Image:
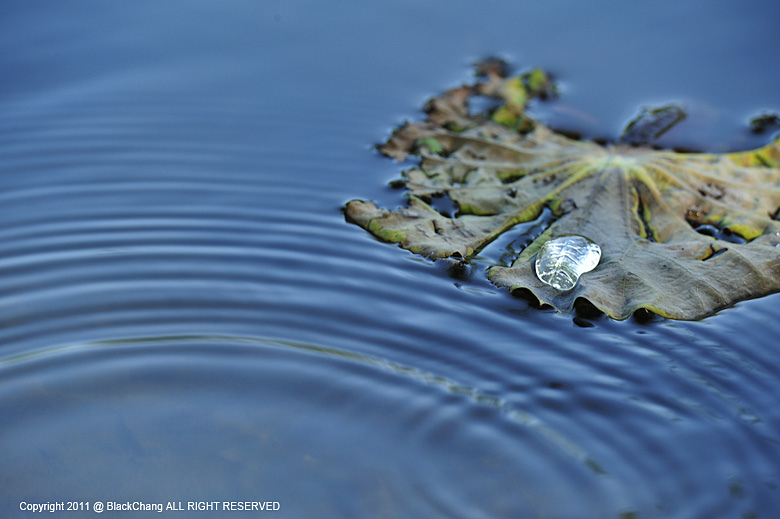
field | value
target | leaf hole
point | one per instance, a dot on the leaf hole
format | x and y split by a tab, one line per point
510	176
718	233
507	247
443	204
565	207
775	215
712	252
479	105
642	217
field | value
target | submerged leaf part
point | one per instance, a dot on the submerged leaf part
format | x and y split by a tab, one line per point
681	234
562	261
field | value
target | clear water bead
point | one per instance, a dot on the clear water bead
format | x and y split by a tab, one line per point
562	261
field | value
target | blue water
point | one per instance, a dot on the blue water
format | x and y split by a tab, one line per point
186	316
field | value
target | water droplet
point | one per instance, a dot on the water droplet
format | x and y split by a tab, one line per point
562	261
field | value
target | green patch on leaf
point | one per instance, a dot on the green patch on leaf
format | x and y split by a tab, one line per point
680	234
431	144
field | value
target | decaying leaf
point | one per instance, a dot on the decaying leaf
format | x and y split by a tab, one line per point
681	234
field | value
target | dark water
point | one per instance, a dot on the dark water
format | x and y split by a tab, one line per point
185	315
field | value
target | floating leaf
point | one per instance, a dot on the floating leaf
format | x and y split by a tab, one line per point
681	234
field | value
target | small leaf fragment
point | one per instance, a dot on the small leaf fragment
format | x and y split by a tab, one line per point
651	123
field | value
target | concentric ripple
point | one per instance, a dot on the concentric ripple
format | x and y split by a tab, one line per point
151	311
128	411
184	314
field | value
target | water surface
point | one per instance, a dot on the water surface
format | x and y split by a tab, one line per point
185	315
